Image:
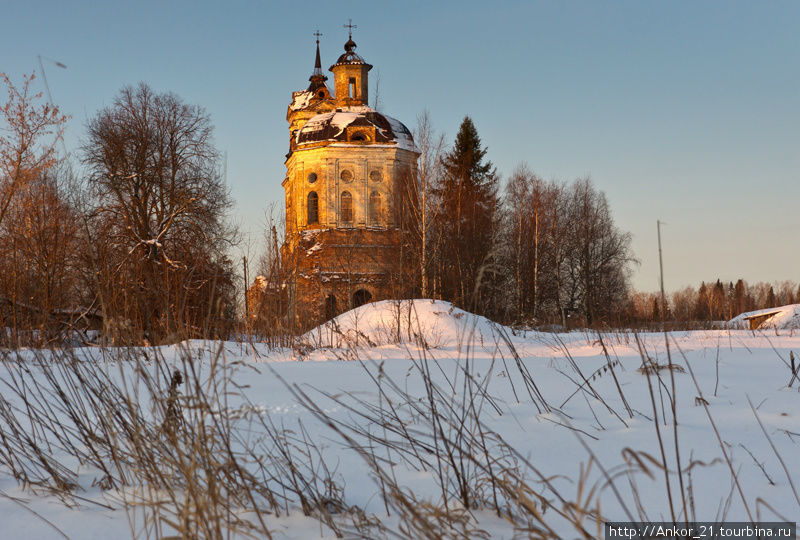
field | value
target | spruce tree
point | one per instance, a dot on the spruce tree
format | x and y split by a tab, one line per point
466	222
771	300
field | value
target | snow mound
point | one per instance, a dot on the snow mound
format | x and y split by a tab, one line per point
431	323
783	317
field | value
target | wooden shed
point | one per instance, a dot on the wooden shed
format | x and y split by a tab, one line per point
755	321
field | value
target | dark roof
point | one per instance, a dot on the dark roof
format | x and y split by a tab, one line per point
764	313
332	127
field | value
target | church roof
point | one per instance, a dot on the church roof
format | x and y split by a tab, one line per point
333	126
301	100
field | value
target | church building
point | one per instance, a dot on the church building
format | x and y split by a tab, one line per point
349	173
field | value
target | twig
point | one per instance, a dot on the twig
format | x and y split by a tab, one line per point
780	459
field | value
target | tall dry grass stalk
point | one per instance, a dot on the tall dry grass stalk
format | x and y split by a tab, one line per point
177	444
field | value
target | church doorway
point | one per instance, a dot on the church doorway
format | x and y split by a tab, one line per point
331	310
361	297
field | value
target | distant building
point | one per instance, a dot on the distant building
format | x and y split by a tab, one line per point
782	317
756	320
348	173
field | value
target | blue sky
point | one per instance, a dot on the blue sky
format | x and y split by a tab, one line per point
688	112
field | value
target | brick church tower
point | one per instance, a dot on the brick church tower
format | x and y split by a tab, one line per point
348	173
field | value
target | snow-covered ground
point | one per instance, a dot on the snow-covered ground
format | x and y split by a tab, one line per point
568	419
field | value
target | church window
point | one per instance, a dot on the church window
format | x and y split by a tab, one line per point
375	175
375	208
346	210
352	87
312	177
321	95
359	137
331	309
312	208
361	297
346	175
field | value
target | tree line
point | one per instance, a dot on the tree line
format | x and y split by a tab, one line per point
711	301
531	252
133	246
541	252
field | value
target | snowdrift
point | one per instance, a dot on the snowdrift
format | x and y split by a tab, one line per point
783	317
433	323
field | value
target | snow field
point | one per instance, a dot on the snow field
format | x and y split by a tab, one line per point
396	413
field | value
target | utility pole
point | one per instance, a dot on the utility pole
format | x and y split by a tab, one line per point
246	282
661	272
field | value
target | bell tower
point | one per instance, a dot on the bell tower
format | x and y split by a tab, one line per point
350	74
348	192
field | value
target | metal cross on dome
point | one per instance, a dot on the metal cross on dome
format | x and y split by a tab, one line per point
350	26
317	34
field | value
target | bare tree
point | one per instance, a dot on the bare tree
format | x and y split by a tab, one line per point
532	218
160	212
28	136
267	296
601	254
424	206
36	224
563	254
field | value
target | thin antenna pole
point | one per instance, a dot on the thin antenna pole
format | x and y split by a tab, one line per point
44	75
50	96
246	285
661	271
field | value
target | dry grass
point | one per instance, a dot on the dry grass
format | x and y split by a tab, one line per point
163	436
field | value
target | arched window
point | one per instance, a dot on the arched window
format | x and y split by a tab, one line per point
361	297
375	208
331	309
312	208
346	209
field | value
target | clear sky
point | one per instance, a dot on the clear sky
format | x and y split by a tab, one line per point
688	112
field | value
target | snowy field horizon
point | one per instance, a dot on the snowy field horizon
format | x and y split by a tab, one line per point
403	419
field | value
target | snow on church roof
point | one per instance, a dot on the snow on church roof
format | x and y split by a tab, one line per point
300	100
332	126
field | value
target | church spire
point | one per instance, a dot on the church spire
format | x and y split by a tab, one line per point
317	63
317	78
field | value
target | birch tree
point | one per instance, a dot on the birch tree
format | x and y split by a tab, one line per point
424	205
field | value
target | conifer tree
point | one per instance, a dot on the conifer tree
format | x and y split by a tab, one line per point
739	297
466	221
771	301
